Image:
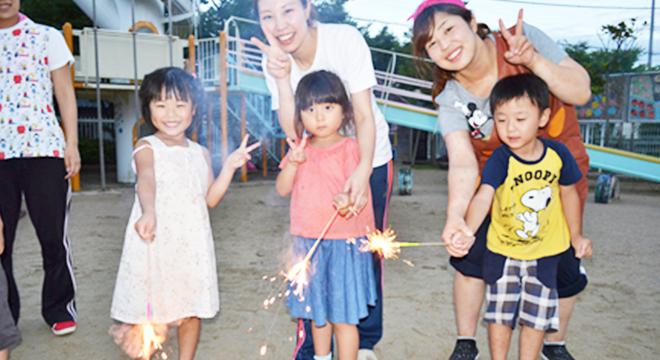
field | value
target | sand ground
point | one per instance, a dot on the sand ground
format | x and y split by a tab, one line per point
616	318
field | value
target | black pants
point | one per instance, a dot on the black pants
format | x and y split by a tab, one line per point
47	195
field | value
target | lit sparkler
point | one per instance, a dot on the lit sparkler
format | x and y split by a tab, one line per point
382	243
298	272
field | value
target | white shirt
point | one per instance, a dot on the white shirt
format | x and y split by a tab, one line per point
341	49
28	126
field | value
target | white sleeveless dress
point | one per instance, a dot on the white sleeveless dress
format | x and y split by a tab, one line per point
176	273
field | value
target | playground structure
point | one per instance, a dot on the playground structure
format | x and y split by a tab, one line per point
229	67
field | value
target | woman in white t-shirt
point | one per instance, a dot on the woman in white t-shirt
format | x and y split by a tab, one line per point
298	45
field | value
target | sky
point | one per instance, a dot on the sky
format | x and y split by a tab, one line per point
568	22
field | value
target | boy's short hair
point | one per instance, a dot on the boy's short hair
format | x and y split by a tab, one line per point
518	86
176	83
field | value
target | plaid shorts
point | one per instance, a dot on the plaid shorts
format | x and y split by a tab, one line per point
519	294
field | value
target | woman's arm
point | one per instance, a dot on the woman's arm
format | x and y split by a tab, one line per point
286	112
66	101
462	182
568	80
357	184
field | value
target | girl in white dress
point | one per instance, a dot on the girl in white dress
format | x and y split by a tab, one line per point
167	273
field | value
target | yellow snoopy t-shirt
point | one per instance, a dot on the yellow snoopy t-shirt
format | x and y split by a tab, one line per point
527	219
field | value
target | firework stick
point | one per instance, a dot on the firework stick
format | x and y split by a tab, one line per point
418	244
321	235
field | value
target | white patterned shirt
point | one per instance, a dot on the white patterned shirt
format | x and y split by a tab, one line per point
28	126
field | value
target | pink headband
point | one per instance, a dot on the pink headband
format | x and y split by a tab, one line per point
427	3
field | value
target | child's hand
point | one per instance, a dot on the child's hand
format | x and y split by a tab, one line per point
146	226
342	202
582	246
241	155
297	154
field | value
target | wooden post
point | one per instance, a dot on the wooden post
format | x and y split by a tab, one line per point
191	54
190	65
224	101
67	29
264	159
243	133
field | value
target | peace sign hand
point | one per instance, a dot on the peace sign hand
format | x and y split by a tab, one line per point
241	155
521	51
297	153
278	62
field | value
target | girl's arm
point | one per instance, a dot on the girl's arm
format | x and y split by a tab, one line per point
285	179
235	160
146	191
66	101
295	157
462	179
357	184
572	207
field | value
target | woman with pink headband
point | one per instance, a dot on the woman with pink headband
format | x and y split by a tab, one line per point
468	61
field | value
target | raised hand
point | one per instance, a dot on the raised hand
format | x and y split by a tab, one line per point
241	155
278	63
521	51
297	153
146	226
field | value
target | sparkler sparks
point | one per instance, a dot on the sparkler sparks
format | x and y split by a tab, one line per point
382	243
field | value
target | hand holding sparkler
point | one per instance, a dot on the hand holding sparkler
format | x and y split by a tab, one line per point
462	242
146	226
342	202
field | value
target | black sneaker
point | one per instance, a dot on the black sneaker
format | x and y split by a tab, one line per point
555	352
465	349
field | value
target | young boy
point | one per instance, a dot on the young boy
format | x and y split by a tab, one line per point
9	335
535	216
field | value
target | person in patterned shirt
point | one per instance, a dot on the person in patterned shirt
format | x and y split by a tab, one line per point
37	156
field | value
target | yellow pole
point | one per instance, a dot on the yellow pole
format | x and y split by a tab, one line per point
223	93
243	133
67	29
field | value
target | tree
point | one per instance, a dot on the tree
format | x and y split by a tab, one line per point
55	13
213	20
619	53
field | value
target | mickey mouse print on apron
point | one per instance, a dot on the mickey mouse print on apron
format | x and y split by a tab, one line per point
480	124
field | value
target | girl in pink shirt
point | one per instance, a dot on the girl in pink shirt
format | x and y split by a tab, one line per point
342	282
